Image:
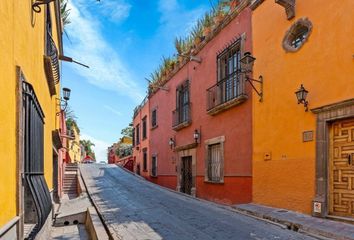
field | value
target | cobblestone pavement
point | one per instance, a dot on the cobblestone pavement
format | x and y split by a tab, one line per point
136	209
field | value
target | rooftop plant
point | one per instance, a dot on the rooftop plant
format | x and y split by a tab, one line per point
184	46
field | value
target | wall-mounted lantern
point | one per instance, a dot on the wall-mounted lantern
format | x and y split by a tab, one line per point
36	6
196	136
63	102
301	96
247	62
172	143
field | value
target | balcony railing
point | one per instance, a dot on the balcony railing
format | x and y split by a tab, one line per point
181	117
51	64
226	93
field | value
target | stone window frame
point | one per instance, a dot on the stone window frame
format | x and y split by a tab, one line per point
326	115
217	140
302	22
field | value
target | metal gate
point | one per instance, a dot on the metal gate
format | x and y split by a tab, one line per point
34	183
186	170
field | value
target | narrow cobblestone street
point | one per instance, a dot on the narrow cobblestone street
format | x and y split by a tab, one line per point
136	209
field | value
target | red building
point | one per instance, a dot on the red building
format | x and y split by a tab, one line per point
141	135
200	138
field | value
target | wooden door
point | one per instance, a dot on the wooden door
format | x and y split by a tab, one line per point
186	171
341	181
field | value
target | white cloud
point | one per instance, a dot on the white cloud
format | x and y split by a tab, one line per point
176	19
100	147
111	109
106	71
116	10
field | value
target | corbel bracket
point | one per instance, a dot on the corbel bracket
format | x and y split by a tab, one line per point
289	6
36	6
260	82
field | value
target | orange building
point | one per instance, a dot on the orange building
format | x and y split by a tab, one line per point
303	160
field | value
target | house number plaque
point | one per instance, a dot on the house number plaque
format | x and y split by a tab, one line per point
307	136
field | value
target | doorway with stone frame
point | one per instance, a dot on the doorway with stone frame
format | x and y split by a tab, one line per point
334	146
186	170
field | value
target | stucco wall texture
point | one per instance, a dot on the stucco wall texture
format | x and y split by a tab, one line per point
22	44
234	124
324	64
138	149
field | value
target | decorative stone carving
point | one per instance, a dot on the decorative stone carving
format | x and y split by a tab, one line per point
289	6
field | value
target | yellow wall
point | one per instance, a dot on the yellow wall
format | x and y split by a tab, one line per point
22	43
325	66
74	147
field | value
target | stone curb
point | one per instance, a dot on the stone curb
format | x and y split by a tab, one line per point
295	225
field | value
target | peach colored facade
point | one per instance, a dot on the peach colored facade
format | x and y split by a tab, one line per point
232	127
141	140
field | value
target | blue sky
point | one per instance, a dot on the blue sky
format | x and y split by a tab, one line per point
122	41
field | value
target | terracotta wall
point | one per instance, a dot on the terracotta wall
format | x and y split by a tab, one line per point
324	65
144	143
234	124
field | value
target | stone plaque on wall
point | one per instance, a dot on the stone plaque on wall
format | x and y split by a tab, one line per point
307	136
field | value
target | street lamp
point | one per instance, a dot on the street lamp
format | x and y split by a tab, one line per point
196	135
247	62
301	96
63	102
172	143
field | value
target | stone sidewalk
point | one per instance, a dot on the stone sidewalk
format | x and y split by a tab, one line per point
300	222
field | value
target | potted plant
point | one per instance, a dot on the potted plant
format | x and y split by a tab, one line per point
207	24
218	16
197	33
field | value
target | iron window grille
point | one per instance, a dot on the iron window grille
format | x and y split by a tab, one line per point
181	115
230	83
137	133
144	128
214	162
154	166
154	118
51	58
144	159
37	196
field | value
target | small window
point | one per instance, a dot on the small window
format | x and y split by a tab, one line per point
154	166
137	129
144	128
133	136
154	118
214	162
145	159
297	35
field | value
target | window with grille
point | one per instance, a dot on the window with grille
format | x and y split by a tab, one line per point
137	133
214	162
145	159
154	166
133	136
36	193
154	118
229	67
144	128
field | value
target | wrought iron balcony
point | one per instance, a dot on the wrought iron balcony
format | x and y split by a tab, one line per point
181	117
226	93
51	64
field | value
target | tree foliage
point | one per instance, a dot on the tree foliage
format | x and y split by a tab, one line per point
65	12
87	144
128	131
